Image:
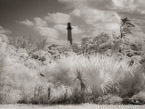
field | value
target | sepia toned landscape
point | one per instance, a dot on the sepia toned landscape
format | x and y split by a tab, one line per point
72	54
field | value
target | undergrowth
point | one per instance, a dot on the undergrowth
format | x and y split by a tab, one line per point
68	80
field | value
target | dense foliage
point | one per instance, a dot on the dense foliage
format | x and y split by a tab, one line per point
105	69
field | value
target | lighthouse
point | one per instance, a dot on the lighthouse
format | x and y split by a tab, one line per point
69	33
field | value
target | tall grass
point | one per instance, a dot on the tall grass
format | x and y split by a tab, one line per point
99	73
67	80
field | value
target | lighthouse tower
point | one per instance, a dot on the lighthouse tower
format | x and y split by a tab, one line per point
69	33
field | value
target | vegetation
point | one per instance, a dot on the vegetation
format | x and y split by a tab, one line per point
94	72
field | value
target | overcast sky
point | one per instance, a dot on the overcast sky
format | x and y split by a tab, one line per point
38	18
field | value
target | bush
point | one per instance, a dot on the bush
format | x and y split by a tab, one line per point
140	97
71	79
100	74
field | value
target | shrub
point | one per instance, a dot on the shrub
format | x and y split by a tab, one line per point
140	97
70	79
99	73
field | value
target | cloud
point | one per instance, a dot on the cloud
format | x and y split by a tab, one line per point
47	31
4	33
76	12
129	5
40	22
62	28
76	30
75	3
106	27
27	23
118	5
58	18
92	16
98	4
40	25
88	17
36	22
98	20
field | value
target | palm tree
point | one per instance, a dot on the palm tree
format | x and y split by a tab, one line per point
125	27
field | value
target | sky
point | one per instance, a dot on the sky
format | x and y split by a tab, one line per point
49	18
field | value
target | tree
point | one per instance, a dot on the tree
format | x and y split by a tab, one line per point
125	27
75	47
85	44
42	43
101	43
22	42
